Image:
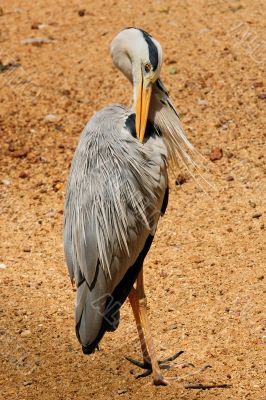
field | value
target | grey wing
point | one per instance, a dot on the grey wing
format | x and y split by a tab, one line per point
113	202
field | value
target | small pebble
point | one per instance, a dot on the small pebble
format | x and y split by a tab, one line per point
121	391
66	92
27	383
196	259
216	154
3	266
180	179
51	213
6	182
173	326
172	71
23	175
257	215
230	178
202	102
170	61
258	84
163	274
225	126
82	12
252	204
38	25
19	153
51	118
36	41
9	66
204	30
35	25
26	333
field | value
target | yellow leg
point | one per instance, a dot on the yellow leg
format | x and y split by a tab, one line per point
158	378
134	302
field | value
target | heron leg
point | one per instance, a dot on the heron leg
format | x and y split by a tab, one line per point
158	378
134	302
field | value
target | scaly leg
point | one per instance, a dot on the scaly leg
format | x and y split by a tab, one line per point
158	378
138	303
134	302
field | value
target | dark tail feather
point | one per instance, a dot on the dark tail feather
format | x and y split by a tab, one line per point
114	302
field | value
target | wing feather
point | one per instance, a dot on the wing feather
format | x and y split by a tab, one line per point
113	201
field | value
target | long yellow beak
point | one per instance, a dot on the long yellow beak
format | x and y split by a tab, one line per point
142	109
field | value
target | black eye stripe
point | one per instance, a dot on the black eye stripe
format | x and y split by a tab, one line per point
153	52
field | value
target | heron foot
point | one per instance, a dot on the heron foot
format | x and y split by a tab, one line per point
163	364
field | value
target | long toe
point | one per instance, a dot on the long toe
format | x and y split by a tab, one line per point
166	363
143	365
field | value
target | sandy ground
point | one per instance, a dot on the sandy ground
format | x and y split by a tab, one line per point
205	276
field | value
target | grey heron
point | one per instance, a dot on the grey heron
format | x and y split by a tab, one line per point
117	190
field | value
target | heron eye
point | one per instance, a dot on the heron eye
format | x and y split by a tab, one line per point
147	67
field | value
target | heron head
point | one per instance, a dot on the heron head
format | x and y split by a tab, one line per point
139	57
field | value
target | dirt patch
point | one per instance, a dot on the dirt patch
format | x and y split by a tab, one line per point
205	276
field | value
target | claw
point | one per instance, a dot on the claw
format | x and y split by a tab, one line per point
147	366
144	374
143	365
172	358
